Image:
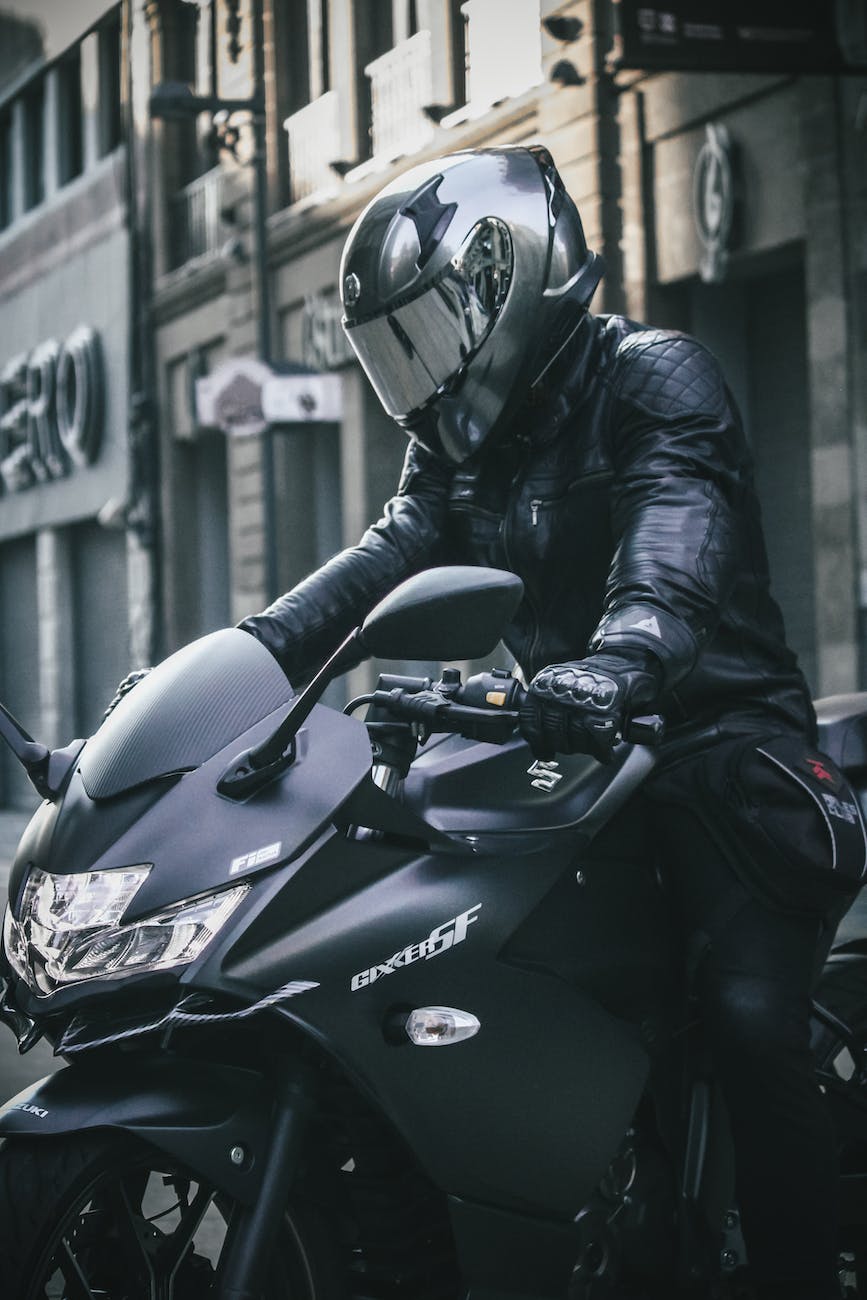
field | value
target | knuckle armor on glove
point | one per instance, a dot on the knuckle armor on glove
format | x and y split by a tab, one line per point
572	708
582	707
576	684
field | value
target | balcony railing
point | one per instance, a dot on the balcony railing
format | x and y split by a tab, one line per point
401	84
196	222
314	142
504	50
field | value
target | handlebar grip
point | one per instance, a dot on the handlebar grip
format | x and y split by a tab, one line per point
443	713
419	706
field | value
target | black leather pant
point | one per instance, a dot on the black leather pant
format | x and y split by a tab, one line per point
754	977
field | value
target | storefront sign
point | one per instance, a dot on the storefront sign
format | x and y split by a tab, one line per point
51	410
302	399
744	35
324	345
231	398
714	201
243	397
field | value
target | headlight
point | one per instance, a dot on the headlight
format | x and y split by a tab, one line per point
71	904
69	928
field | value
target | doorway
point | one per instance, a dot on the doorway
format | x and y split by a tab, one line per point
756	327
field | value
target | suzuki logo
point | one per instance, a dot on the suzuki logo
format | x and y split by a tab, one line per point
546	775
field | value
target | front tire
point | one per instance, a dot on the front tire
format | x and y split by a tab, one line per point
105	1215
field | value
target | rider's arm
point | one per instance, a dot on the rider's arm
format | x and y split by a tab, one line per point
307	624
681	466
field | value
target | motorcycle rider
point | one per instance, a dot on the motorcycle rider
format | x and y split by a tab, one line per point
605	463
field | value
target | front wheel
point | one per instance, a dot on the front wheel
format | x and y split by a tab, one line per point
103	1215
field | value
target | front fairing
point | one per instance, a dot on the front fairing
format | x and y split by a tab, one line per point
197	840
498	797
374	929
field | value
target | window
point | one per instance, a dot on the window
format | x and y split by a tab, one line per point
307	103
110	130
502	62
6	164
459	51
190	203
374	35
70	120
319	62
305	39
33	106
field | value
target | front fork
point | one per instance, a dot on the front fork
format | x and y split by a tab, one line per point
254	1229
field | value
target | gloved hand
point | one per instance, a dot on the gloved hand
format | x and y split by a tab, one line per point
125	687
583	707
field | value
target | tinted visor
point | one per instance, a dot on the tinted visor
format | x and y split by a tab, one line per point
412	351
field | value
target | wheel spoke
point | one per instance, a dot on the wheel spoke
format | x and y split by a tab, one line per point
139	1226
78	1287
177	1245
132	1230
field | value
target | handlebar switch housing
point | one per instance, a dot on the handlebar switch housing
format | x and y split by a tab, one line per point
492	690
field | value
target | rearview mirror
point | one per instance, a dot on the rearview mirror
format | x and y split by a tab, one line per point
457	612
454	612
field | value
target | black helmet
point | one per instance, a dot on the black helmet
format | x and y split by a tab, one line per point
460	282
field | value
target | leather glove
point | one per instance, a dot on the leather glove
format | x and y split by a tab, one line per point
125	687
583	707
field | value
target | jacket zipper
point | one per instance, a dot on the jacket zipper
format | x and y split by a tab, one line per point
538	502
537	622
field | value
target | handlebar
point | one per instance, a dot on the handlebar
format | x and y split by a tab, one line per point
438	713
485	708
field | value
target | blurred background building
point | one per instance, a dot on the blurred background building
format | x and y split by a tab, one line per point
64	304
186	433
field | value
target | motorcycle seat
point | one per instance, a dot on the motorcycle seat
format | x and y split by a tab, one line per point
843	729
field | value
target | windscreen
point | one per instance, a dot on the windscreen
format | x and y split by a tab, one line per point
186	710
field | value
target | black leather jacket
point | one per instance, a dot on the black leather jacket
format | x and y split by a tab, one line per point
624	501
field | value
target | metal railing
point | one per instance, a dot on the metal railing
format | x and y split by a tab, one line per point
196	222
314	143
401	84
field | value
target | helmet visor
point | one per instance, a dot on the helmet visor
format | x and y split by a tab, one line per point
410	352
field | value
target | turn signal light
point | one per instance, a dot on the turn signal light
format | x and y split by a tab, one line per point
439	1026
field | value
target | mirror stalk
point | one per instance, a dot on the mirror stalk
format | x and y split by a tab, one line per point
32	756
449	612
256	767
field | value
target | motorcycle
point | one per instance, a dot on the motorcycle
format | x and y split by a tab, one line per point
374	1009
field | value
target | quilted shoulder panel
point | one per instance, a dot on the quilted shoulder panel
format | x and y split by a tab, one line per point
670	374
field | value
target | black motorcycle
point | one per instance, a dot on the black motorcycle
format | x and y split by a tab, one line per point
347	1016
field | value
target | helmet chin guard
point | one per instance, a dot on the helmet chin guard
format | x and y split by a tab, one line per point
461	281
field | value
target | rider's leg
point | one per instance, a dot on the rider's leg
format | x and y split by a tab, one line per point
754	982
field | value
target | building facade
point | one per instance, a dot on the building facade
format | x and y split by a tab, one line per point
65	598
744	220
730	205
355	93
